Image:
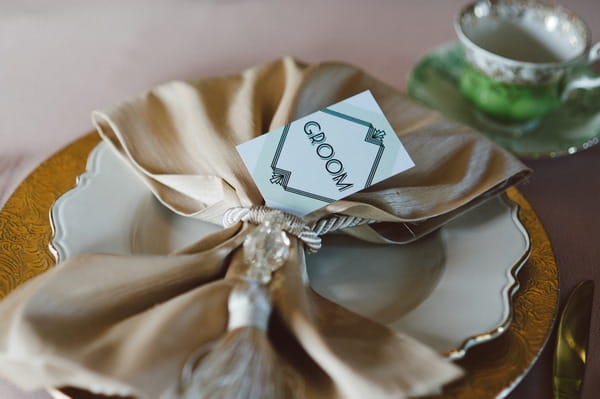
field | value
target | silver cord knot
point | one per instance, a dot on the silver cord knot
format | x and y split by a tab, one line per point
309	234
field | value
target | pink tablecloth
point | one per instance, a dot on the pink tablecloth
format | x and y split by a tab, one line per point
61	59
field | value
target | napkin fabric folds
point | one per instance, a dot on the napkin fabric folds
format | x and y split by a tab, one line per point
126	325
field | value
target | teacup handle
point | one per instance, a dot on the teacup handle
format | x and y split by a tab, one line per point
584	82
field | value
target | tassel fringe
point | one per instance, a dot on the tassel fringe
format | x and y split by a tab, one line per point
242	365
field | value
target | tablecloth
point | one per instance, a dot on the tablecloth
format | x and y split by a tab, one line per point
59	60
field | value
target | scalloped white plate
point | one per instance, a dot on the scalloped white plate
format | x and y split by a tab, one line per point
451	289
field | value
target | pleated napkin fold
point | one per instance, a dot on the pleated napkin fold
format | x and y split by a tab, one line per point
143	326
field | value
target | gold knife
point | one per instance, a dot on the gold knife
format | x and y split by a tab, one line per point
570	356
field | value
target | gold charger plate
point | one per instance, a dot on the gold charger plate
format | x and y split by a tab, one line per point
493	368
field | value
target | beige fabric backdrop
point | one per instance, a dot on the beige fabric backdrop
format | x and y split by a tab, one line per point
61	59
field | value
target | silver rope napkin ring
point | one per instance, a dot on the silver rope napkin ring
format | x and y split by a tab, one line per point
309	234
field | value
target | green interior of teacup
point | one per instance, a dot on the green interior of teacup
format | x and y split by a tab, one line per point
508	102
525	31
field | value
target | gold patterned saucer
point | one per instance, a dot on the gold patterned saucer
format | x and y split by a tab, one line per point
493	368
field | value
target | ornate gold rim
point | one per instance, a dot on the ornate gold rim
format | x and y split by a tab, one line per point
479	339
493	367
87	173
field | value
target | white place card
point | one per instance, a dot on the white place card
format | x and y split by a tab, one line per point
325	156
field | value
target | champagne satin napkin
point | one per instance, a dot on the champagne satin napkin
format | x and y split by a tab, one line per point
141	325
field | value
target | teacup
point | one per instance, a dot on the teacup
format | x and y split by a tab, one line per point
518	57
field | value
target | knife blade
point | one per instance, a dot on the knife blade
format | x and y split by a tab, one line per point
570	356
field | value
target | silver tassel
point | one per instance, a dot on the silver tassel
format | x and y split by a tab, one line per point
243	365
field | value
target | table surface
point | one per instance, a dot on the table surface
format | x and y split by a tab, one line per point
60	60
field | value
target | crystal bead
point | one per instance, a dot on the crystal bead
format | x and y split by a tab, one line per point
266	248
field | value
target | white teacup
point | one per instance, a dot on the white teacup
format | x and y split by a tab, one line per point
518	55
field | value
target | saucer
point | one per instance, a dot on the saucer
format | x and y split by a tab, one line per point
574	126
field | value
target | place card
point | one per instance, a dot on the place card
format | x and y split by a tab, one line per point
325	156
